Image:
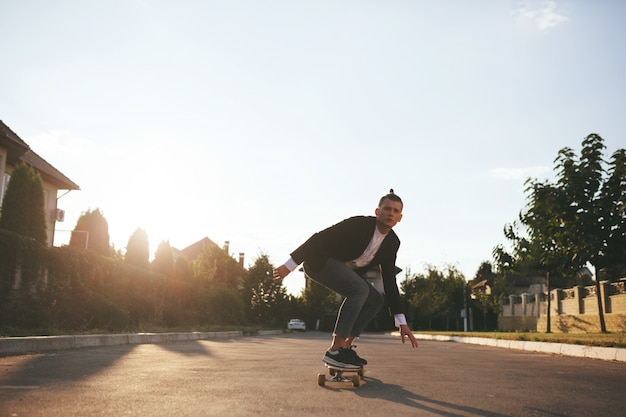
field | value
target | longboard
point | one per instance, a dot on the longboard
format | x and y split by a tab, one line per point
337	376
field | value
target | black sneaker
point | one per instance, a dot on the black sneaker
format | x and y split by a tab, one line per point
341	358
357	357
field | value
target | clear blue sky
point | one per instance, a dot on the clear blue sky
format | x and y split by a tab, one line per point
261	122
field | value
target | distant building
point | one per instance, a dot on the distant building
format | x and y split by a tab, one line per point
194	250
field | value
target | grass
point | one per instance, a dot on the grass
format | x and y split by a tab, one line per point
586	339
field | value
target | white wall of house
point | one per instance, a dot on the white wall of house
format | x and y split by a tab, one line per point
4	177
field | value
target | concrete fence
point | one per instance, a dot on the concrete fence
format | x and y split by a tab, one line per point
572	310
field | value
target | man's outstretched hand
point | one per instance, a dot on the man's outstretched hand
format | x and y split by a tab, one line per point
406	332
281	272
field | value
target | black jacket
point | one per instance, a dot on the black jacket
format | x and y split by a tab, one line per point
346	241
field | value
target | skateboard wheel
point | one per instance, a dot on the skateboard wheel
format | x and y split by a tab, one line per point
321	379
356	381
332	372
361	371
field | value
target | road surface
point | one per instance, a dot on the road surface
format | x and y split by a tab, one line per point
276	376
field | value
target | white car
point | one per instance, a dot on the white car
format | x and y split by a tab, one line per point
296	324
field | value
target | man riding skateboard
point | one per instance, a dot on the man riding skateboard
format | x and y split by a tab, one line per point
337	256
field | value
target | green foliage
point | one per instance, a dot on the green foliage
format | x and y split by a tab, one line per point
21	280
579	218
163	262
182	269
138	249
222	305
71	290
434	299
267	296
319	304
92	233
613	223
23	206
486	291
214	265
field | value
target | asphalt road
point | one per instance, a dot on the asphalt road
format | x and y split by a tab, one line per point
277	376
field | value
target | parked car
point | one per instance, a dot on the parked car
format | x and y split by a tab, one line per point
296	324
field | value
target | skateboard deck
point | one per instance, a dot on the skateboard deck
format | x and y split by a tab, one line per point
336	376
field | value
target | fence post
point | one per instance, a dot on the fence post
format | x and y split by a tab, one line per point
557	300
512	304
538	304
579	293
524	304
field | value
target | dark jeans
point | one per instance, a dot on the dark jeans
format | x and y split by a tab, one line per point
362	301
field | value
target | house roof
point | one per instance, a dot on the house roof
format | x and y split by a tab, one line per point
48	172
194	250
18	150
15	146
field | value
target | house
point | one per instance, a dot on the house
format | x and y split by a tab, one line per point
194	250
13	151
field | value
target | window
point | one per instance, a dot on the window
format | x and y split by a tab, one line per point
3	189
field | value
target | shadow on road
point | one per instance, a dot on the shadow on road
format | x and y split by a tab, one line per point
375	388
58	367
70	366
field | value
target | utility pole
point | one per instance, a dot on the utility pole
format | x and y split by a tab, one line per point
548	329
464	315
600	309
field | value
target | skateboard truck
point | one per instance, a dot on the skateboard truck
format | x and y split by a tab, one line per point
337	376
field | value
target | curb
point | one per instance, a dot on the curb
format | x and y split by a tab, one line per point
34	344
580	351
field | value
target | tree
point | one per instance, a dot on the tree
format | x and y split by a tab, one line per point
579	219
266	296
163	262
487	289
92	233
214	265
436	296
138	249
182	269
319	303
613	206
23	209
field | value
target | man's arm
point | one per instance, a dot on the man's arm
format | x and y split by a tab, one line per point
388	271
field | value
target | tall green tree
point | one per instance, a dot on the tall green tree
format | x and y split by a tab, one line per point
92	233
266	296
138	249
23	206
576	220
613	221
163	262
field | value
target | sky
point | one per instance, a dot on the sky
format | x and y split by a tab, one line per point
263	122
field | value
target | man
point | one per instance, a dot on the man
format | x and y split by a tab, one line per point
335	258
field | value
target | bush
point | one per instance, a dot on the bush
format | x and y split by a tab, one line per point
72	290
